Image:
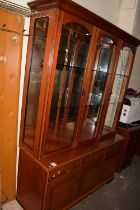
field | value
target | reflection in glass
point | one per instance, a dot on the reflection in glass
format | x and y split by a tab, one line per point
98	83
67	90
104	59
120	78
123	60
106	42
37	59
110	114
116	88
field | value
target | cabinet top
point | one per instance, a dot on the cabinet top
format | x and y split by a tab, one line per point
80	152
79	11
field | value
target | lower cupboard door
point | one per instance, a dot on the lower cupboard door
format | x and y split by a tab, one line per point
110	166
61	193
89	180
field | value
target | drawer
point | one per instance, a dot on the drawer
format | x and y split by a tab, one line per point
113	150
63	170
94	158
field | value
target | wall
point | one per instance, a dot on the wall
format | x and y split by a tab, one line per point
127	15
23	62
129	20
107	9
22	3
135	77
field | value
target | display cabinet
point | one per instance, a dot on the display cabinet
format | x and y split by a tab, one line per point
78	68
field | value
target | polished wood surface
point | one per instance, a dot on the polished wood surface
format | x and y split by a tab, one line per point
91	172
10	49
74	151
61	193
31	183
42	187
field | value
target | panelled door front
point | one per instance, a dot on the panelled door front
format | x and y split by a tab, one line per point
10	61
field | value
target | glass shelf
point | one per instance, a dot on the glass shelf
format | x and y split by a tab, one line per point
124	75
60	67
39	38
98	70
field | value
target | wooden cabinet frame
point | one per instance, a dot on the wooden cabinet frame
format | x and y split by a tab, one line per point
56	19
58	166
53	18
64	18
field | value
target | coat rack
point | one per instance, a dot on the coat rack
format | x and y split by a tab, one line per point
12	7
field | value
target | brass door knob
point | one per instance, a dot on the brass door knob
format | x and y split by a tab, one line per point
3	59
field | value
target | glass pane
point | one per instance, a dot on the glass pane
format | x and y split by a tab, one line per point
119	80
104	59
67	90
110	114
116	88
98	83
37	59
106	42
123	60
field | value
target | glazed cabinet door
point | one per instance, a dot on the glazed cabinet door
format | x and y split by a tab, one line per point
34	82
122	75
98	86
42	33
61	193
69	73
